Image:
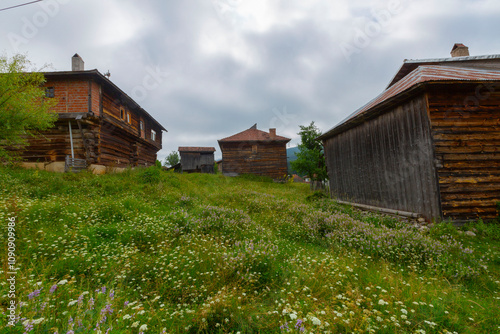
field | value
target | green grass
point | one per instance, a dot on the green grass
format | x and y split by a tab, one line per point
160	252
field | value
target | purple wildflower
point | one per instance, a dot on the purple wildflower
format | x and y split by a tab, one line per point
126	303
91	303
34	294
28	327
53	288
80	299
285	327
70	332
298	325
109	309
103	290
112	294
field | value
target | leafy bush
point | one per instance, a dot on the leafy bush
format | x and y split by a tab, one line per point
150	175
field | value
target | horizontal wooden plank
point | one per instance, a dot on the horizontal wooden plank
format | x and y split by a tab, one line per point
477	149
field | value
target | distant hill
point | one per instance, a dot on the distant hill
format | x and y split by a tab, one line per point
290	156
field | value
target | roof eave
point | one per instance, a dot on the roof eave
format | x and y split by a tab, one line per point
352	122
109	83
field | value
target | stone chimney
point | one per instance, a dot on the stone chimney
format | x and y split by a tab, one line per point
77	63
459	50
272	133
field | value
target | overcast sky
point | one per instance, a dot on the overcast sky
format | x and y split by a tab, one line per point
209	69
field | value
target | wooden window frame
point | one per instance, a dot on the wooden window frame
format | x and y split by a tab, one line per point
141	128
50	92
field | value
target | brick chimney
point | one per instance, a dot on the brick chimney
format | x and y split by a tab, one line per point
272	133
77	63
459	50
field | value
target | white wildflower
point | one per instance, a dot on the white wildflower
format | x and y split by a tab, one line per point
143	328
62	282
135	324
293	316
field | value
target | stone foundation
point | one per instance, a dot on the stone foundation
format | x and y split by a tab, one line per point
58	167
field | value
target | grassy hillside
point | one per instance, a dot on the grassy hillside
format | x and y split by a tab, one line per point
154	252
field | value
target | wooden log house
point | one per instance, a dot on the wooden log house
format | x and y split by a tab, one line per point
429	145
197	159
255	152
97	123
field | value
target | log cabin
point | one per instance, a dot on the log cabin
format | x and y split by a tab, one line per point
255	152
98	125
197	159
428	146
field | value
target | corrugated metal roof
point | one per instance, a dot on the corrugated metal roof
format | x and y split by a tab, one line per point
196	149
410	64
253	134
423	74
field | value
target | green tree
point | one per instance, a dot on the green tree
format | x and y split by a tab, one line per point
172	159
24	110
310	158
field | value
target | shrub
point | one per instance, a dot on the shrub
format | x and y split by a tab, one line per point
150	175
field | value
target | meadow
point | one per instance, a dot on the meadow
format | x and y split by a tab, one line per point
149	251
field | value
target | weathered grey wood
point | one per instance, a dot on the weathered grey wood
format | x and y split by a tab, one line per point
387	162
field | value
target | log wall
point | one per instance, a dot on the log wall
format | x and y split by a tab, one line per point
466	133
259	158
54	144
387	161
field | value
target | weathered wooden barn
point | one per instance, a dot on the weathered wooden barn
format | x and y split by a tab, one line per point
97	123
255	152
428	145
197	159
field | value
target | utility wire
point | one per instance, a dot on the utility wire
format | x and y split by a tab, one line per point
24	4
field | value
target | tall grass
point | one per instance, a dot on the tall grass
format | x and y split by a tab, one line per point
157	252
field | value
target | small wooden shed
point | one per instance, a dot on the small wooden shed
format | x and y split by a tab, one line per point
428	145
197	159
255	152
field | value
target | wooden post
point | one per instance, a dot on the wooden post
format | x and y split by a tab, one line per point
71	140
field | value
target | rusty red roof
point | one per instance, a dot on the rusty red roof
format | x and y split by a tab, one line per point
422	74
410	64
253	134
196	149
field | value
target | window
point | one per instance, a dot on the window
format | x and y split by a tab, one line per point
254	148
153	135
122	113
128	117
141	128
50	92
